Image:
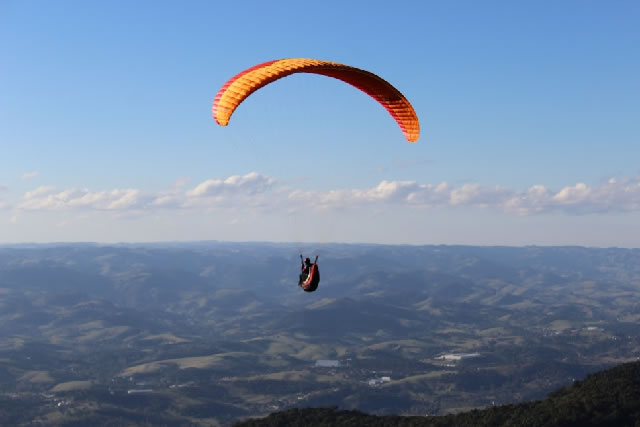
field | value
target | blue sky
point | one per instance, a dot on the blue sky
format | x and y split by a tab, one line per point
529	115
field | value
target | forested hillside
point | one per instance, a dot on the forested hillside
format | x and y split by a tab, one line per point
610	397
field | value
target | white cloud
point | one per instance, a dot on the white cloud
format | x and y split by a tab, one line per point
478	195
249	184
251	190
261	193
385	192
572	195
616	195
3	187
533	200
168	200
45	198
29	175
39	192
405	192
228	192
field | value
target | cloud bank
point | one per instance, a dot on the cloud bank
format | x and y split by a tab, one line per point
260	192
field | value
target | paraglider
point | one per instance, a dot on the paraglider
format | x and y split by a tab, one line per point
309	275
243	84
239	87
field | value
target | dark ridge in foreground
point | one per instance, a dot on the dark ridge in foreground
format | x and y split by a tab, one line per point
610	397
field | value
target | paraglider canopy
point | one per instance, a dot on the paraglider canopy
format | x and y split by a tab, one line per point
243	84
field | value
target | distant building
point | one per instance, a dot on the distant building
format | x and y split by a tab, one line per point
458	356
373	382
327	363
140	390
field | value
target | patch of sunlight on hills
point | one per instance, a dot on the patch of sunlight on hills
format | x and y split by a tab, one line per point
103	334
200	362
321	303
166	338
37	377
71	385
426	305
282	376
405	346
559	325
418	378
96	324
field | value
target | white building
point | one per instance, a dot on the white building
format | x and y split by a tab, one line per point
458	356
378	381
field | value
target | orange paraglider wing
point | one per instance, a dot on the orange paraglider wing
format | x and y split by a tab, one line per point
238	88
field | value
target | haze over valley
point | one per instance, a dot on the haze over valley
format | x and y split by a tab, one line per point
213	332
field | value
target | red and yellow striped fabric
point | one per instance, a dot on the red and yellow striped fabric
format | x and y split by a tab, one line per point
238	88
